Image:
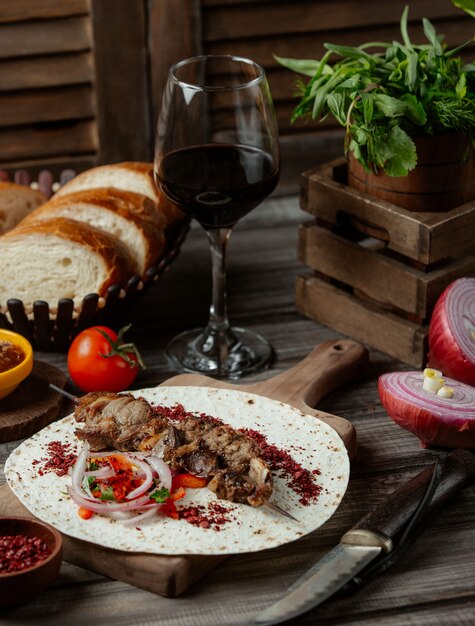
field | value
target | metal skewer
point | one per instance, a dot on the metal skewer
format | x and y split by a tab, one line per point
283	512
269	505
64	393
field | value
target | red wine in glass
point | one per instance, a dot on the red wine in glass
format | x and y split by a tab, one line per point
217	158
217	184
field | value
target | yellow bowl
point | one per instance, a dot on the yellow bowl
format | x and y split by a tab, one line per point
10	379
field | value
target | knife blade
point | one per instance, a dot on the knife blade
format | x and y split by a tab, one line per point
373	535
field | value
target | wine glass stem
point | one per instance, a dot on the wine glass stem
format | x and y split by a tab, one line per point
218	316
217	339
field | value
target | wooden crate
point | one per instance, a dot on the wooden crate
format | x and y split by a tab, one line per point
378	269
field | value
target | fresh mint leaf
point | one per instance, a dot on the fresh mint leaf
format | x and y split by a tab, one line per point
336	104
347	51
308	67
429	32
391	107
410	77
461	87
399	152
466	5
414	109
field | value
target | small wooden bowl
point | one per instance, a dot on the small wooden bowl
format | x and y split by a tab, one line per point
10	379
19	587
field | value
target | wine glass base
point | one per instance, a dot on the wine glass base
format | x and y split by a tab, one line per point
248	353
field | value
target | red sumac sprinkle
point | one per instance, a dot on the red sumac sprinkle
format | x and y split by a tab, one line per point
19	552
213	516
60	458
298	478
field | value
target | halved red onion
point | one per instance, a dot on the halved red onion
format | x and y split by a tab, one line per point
452	331
163	471
435	420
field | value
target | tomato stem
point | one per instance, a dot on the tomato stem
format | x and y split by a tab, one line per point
118	348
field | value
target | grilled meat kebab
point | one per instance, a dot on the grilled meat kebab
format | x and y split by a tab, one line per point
228	458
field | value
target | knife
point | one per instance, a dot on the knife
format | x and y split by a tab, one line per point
377	540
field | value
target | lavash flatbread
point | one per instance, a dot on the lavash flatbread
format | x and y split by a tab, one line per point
312	443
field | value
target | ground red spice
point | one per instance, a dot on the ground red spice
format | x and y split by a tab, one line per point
18	552
298	478
60	458
178	413
213	516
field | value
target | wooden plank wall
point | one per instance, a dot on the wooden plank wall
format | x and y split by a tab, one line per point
299	28
47	101
73	83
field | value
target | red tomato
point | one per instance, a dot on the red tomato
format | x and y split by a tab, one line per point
97	363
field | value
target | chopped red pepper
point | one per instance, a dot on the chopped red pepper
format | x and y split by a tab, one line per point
178	494
188	481
123	482
85	513
169	509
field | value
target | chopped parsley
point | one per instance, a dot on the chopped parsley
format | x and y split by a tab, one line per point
160	495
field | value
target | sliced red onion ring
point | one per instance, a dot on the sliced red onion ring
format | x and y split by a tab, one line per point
78	471
163	471
147	483
101	474
452	332
105	507
138	519
435	420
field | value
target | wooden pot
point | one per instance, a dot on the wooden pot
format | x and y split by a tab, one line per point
443	179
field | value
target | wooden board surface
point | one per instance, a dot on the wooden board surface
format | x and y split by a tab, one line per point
329	366
32	405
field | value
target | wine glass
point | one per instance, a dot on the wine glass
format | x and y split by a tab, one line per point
217	157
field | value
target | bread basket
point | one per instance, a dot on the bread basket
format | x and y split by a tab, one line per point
51	328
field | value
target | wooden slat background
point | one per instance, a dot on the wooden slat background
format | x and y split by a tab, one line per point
47	102
73	83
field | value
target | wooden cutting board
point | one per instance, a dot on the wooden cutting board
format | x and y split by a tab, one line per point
33	405
329	366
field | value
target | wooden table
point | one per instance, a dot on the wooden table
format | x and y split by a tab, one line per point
432	585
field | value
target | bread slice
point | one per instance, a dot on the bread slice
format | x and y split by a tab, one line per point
16	201
129	176
129	216
61	258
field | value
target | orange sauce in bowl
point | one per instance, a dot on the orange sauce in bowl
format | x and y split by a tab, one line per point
10	355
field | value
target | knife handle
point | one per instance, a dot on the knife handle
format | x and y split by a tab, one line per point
381	526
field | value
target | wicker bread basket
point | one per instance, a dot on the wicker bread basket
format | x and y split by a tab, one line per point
52	326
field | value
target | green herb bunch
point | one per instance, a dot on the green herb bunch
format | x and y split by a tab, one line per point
385	97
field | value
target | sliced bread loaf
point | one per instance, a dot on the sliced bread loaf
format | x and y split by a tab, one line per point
61	258
16	201
129	176
129	216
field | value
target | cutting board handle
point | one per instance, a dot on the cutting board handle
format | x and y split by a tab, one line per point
329	366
